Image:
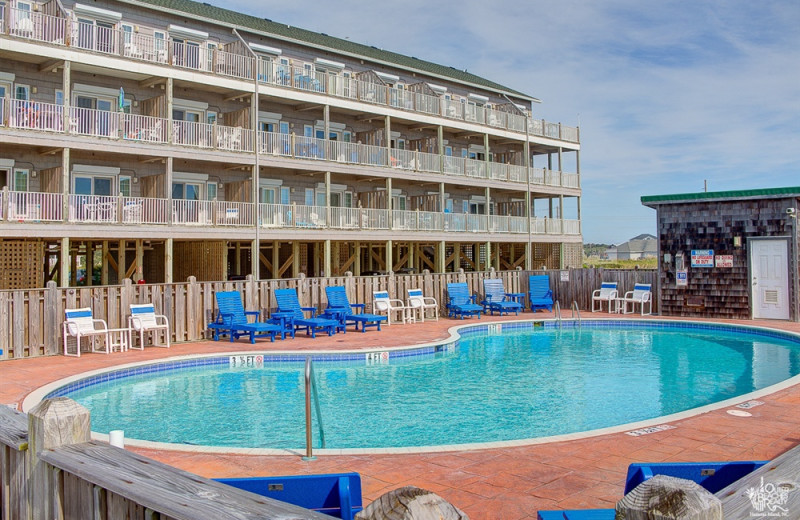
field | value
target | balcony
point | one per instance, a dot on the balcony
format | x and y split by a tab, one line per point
64	32
33	207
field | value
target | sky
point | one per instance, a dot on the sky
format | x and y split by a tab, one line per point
670	96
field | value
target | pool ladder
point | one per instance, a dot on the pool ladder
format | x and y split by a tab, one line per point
311	392
574	308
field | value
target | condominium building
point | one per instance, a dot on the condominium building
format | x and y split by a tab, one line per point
161	139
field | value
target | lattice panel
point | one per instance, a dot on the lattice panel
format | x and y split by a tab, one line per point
23	264
206	261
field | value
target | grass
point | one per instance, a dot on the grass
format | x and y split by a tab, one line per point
642	263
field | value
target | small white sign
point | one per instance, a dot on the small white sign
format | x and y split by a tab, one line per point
723	261
702	258
246	361
377	358
681	278
564	276
649	430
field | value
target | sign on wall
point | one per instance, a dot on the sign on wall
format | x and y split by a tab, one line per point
723	261
702	258
681	278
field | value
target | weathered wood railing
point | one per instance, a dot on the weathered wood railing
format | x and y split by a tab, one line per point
30	320
50	469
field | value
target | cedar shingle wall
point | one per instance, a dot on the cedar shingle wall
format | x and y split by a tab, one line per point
715	292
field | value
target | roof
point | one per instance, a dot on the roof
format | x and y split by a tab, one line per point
764	193
286	32
638	245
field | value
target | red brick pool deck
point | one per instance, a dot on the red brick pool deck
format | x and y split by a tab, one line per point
500	483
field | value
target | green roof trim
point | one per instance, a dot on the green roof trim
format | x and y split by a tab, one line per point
733	194
283	31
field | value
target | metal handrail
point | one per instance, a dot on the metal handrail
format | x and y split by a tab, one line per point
575	310
311	387
557	312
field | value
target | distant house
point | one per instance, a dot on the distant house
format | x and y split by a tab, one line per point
641	246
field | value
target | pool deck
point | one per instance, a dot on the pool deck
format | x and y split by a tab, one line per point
499	483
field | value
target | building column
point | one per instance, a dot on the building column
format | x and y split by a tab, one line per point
168	187
122	267
389	202
65	184
66	87
276	259
139	260
457	257
64	263
326	121
389	259
528	205
440	139
387	125
295	259
168	261
104	263
327	260
441	251
486	156
357	262
168	115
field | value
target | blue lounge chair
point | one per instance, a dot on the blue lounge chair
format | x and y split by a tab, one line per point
339	307
233	320
539	294
497	299
713	476
460	302
336	494
288	303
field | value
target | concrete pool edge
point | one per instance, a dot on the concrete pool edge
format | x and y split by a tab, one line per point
453	335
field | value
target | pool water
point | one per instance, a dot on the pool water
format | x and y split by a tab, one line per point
487	387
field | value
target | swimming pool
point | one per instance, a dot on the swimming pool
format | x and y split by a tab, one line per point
498	382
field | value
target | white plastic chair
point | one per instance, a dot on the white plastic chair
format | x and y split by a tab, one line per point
606	293
419	303
381	302
143	320
79	323
640	294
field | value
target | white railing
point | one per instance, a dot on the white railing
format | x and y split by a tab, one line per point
276	215
270	143
404	220
552	177
188	133
234	138
191	56
310	216
517	173
345	218
429	162
498	223
36	26
571	227
34	115
34	207
141	210
145	47
538	225
498	171
426	104
94	123
452	109
144	128
231	64
570	180
93	208
515	122
91	37
477	223
455	222
496	118
475	168
454	165
344	152
374	218
310	148
233	213
475	114
192	212
553	226
402	159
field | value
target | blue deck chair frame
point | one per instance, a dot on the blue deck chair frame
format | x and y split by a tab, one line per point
460	303
337	494
540	295
713	476
340	308
288	303
233	320
497	299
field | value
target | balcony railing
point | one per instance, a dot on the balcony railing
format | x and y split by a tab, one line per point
119	210
94	38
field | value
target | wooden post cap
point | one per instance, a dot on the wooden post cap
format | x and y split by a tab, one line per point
411	503
669	498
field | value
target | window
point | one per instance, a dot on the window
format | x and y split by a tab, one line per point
20	181
308	131
127	35
285	195
22	92
211	190
125	185
211	117
187	191
284	127
59	98
85	184
309	198
160	46
211	50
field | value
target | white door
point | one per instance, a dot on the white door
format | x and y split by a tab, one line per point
770	279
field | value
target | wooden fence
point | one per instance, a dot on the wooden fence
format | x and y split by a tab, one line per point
49	468
31	320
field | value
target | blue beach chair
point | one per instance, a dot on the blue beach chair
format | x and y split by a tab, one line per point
233	320
460	302
497	299
337	495
289	304
539	294
339	307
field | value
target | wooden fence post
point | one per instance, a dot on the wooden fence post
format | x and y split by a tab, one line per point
55	422
52	319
